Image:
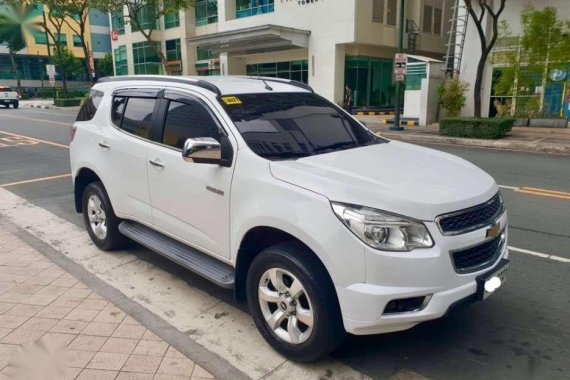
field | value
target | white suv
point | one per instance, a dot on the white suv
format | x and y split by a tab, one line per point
261	185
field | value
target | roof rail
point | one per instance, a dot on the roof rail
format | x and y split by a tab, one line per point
285	81
196	82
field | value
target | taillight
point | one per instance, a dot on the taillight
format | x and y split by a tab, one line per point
72	132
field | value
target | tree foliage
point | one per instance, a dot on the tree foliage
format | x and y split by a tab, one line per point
452	96
105	65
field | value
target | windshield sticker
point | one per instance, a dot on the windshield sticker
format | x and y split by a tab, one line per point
231	100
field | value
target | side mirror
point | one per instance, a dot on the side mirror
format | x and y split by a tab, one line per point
206	150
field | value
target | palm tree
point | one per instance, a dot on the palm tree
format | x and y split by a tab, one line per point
13	18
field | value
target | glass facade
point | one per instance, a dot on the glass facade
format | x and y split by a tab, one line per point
121	65
118	22
295	70
171	20
174	54
207	63
206	12
370	79
146	17
246	8
146	61
29	67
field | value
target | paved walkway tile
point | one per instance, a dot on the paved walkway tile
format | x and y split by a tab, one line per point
68	331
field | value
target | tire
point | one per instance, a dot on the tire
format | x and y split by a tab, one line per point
100	220
286	263
16	105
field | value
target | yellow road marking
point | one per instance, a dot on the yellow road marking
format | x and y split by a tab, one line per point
35	180
34	139
555	192
547	193
39	120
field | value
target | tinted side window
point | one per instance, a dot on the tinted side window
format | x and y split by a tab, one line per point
138	116
117	110
88	109
188	120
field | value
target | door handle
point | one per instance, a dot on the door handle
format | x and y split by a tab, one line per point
104	145
156	163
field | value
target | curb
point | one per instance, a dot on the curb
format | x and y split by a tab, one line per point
37	106
403	122
477	143
373	113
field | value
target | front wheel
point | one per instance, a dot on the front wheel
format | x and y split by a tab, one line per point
293	303
100	220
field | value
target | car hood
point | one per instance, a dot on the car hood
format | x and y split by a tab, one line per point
396	177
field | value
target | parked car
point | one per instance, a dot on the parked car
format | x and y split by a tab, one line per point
9	96
263	186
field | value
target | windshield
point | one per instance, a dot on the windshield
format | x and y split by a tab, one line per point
292	125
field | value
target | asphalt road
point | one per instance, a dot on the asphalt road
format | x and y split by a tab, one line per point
522	332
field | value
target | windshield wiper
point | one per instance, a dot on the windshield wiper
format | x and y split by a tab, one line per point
339	146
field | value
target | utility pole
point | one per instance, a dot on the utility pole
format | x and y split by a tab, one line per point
396	126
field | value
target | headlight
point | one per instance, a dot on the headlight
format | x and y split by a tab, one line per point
382	230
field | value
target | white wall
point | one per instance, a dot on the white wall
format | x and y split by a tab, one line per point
472	50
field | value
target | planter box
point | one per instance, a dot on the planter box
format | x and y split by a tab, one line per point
484	128
548	123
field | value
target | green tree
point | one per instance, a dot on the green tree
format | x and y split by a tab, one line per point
14	19
68	65
144	16
105	65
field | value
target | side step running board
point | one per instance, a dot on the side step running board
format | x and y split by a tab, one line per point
203	265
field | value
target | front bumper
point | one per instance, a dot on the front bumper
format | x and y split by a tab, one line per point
392	276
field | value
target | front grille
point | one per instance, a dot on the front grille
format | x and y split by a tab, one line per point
479	257
471	218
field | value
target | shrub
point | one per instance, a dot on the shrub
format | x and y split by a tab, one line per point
452	96
491	128
68	102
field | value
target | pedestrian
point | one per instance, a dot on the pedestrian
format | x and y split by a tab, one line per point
347	104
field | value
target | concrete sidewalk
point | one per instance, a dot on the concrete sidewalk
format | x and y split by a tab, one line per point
53	326
526	139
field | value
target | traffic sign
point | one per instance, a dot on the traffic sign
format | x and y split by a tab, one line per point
400	64
50	69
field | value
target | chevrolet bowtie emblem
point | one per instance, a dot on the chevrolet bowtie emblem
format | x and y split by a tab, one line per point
493	231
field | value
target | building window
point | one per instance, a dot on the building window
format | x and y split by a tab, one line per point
295	70
370	79
437	18
77	41
174	57
378	11
433	15
171	20
206	12
118	22
427	19
391	12
146	17
60	38
207	63
121	65
40	38
146	61
246	8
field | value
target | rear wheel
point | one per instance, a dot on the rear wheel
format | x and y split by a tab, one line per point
16	105
293	303
100	220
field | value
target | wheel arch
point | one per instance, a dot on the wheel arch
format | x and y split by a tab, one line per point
254	241
84	177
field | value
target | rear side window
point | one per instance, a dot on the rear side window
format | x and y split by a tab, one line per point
88	109
117	110
188	120
137	117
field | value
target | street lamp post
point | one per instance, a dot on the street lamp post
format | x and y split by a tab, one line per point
396	126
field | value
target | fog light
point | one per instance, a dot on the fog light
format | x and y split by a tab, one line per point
493	284
406	305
